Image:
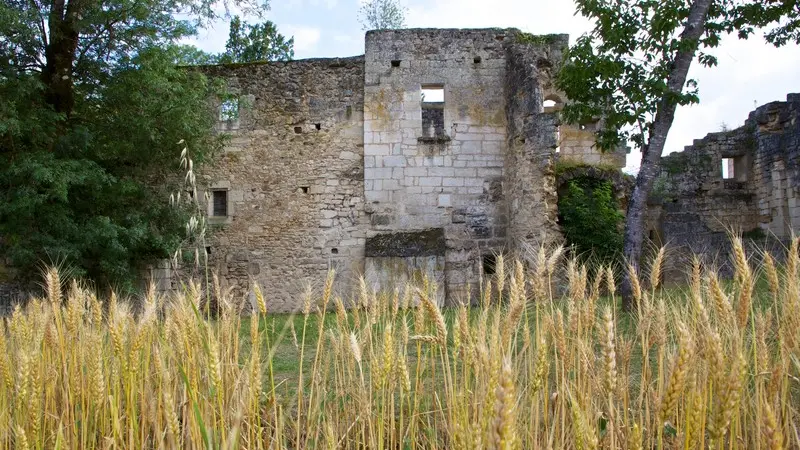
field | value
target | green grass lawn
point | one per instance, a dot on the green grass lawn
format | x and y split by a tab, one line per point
284	332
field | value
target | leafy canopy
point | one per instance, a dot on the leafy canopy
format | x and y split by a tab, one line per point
619	71
93	106
382	15
260	42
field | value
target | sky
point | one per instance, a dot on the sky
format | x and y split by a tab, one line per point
750	73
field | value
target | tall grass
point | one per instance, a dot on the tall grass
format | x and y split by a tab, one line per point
711	368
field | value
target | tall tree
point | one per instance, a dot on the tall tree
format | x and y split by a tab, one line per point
382	15
259	42
632	70
92	108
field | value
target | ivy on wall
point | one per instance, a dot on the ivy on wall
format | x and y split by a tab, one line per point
590	218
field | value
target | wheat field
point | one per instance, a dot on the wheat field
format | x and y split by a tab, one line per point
532	366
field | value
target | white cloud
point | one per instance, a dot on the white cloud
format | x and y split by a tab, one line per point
305	39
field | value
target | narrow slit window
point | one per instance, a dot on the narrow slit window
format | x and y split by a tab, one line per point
727	169
432	99
229	110
220	203
558	140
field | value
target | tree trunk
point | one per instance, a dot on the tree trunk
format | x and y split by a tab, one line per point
60	55
651	153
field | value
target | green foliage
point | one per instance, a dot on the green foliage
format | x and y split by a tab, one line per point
754	234
382	15
675	164
619	71
565	165
590	218
782	17
260	42
85	159
536	39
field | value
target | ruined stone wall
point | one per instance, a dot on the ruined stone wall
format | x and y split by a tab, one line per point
342	163
417	180
576	143
698	204
776	165
529	186
693	207
293	173
448	169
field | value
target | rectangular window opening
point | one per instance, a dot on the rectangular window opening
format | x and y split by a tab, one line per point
220	203
489	264
432	100
728	169
229	110
432	93
395	63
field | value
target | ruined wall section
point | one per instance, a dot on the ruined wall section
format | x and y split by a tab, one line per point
451	179
776	165
577	143
697	204
293	173
532	139
693	205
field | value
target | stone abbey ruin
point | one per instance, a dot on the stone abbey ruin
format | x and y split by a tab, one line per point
429	154
436	150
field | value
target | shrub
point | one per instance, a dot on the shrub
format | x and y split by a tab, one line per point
590	218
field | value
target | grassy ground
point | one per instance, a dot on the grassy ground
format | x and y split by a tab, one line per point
284	332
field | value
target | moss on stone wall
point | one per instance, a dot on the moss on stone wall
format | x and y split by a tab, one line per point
429	242
537	39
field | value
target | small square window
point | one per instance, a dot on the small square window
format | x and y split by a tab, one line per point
395	63
219	203
229	110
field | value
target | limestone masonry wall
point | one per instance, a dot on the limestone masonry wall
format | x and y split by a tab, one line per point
334	161
294	177
695	201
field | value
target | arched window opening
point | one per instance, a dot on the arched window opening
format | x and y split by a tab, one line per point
552	103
